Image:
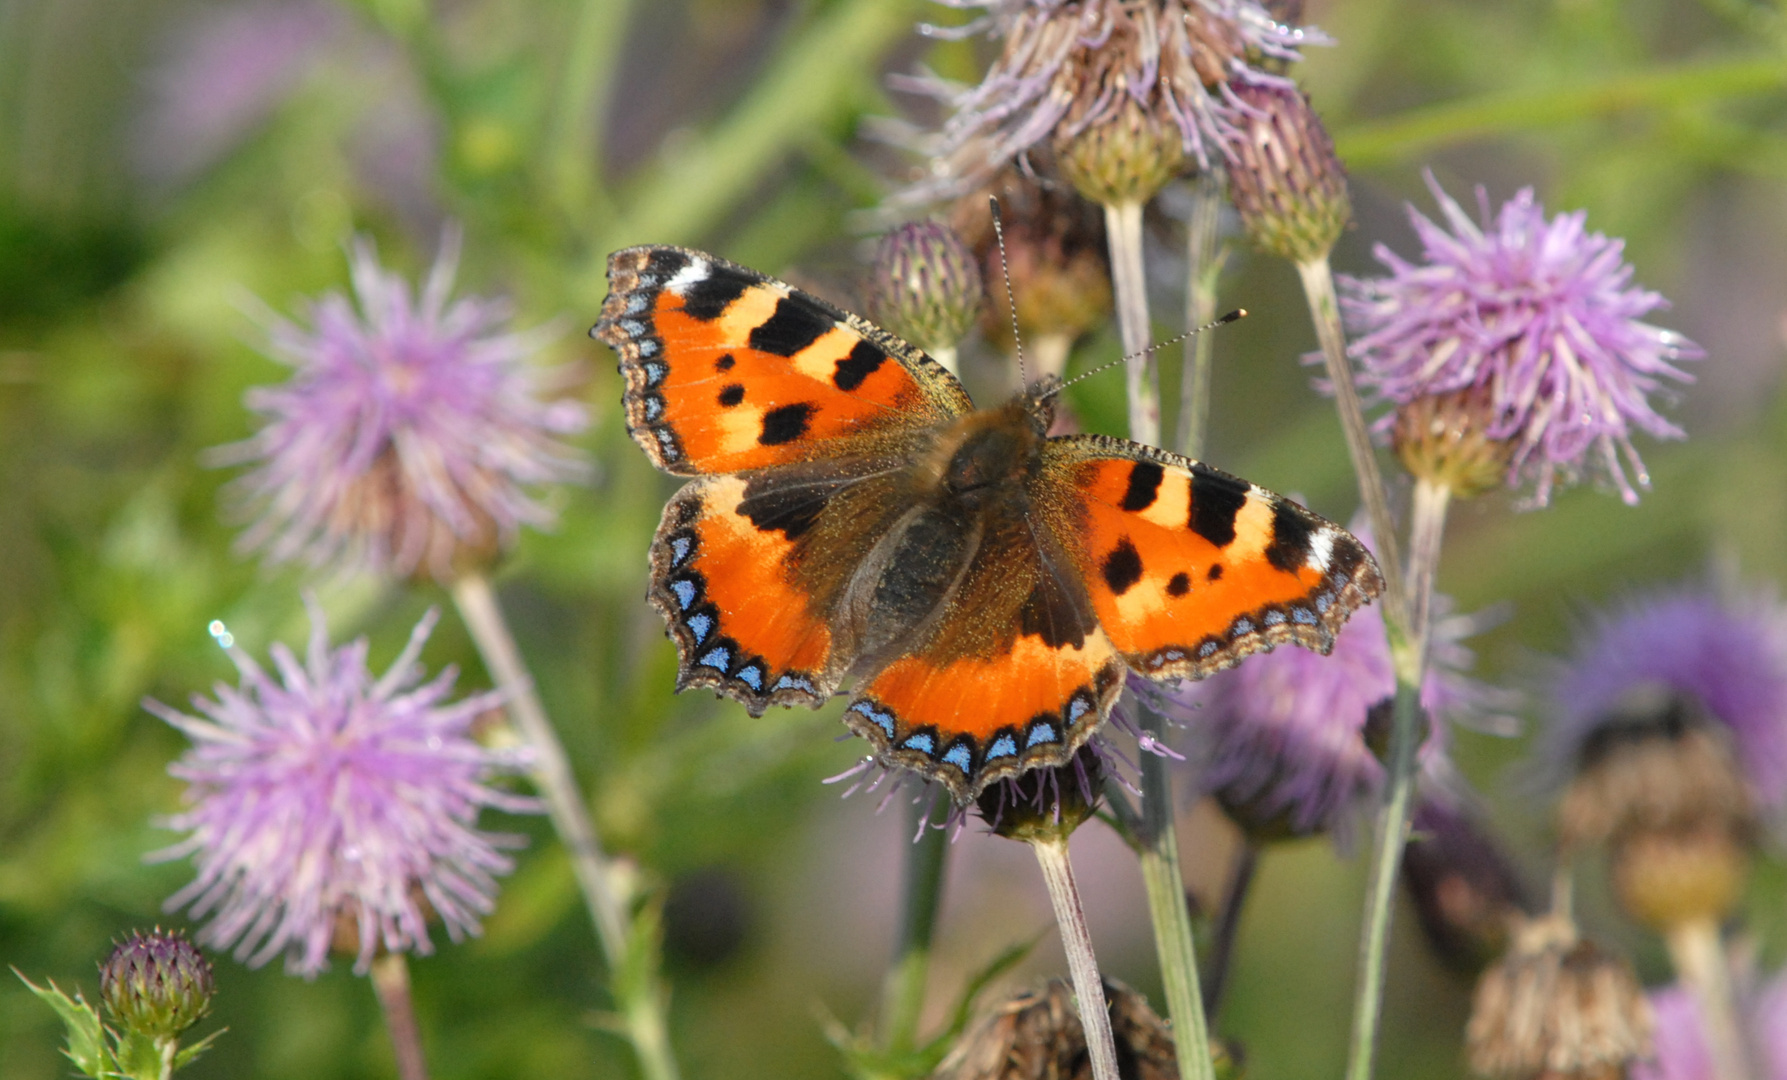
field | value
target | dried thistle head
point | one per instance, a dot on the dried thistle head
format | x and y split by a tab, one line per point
1557	1008
1036	1035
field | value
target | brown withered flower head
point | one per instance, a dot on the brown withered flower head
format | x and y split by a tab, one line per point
1125	91
1557	1008
1036	1035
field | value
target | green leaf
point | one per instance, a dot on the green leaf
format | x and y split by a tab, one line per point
86	1035
191	1053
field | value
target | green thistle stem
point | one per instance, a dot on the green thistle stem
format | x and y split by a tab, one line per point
1082	964
1165	884
1228	923
585	86
1205	268
1159	856
643	1004
1123	233
904	994
391	981
1408	656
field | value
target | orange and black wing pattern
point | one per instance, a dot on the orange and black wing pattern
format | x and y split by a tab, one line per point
729	370
1190	569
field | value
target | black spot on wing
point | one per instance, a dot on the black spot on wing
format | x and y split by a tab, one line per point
1215	573
1050	613
862	362
1216	500
665	263
725	363
732	395
786	423
1291	530
788	509
797	323
1179	585
1122	567
709	298
1144	485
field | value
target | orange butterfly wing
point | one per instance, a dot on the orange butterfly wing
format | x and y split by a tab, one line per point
1190	569
728	370
779	404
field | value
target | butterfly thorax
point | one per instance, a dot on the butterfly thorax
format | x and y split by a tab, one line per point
985	455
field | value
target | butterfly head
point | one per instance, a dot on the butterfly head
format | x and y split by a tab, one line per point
1038	400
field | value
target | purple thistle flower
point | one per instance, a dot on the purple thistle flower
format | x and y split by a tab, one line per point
1541	313
1070	65
1682	1052
1282	736
411	432
327	806
1730	656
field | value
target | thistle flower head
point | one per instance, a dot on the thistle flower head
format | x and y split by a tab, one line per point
156	984
1286	182
1045	804
328	806
1283	737
1724	660
410	433
1541	313
1073	67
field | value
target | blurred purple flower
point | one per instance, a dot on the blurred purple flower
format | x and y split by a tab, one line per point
410	432
228	69
1728	655
1541	313
1682	1052
327	807
1284	734
1068	65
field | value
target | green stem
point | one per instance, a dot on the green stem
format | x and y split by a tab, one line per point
1123	234
1407	640
644	1006
904	994
1082	963
1159	855
1324	311
167	1048
1204	270
1165	885
391	981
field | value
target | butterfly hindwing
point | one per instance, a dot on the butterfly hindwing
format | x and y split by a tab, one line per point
1013	672
1190	569
729	370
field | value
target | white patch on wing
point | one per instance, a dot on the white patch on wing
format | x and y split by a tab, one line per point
697	271
1321	549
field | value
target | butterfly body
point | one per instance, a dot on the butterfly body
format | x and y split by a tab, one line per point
980	586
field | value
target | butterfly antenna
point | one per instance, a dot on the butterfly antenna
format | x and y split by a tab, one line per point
1233	316
1010	302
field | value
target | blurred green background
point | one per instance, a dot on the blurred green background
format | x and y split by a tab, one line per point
163	162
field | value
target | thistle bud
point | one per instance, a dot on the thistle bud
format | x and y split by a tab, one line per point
1464	888
1045	805
1557	1008
927	285
1284	179
1122	158
156	984
1055	255
1444	439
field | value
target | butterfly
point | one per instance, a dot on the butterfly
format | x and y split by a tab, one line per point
983	587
